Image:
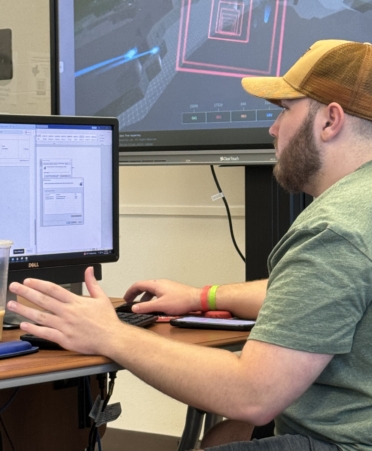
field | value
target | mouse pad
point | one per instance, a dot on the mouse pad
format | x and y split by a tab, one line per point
16	348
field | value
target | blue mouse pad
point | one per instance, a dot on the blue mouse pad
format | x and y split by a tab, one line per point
16	348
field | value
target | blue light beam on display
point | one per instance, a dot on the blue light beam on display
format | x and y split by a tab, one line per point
117	61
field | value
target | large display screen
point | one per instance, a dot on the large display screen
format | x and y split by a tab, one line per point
171	70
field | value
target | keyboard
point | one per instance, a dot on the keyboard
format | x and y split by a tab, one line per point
137	319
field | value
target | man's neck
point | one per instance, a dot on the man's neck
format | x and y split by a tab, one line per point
338	170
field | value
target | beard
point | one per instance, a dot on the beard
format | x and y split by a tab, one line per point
300	160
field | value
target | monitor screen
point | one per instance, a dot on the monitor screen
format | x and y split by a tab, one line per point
59	195
170	70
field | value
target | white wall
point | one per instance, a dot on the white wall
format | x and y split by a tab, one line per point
169	226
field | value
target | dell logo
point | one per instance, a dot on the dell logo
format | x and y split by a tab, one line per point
229	158
33	265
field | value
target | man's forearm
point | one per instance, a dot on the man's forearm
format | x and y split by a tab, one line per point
255	386
243	299
209	379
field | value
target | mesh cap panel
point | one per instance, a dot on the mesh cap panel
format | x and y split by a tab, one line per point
343	75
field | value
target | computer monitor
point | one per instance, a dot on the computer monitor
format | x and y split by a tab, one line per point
171	70
59	195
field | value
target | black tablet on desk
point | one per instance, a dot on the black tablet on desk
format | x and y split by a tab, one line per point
196	322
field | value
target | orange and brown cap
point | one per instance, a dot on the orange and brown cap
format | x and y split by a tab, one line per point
330	71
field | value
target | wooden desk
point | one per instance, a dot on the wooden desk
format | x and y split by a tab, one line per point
46	411
46	365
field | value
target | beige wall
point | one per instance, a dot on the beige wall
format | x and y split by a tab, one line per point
169	226
29	90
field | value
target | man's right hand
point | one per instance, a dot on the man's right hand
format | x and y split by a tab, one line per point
172	298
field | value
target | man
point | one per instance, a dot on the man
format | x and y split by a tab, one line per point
308	360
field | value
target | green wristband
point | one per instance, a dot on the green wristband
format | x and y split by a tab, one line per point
212	297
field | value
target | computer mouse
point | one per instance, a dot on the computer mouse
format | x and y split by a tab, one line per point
127	308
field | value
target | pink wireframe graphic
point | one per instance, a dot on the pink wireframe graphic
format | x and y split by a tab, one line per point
229	21
232	45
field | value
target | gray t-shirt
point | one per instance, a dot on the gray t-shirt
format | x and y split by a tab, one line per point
319	300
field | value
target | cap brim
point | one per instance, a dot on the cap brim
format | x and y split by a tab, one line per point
270	88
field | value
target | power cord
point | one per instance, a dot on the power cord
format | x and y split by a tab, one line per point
7	436
89	394
94	429
13	395
94	437
228	214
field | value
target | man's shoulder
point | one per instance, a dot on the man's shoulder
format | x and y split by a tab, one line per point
347	201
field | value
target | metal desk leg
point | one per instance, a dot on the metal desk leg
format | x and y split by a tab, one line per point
192	429
193	425
211	419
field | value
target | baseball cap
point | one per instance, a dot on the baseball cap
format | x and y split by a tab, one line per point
330	70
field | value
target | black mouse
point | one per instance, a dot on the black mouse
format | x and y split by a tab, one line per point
127	308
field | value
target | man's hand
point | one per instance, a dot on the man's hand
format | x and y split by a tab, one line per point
76	323
173	298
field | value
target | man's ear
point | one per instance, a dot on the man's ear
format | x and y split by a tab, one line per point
333	119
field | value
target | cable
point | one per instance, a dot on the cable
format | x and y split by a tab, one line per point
5	406
110	389
7	435
10	400
2	409
228	214
101	382
91	440
94	429
105	403
88	390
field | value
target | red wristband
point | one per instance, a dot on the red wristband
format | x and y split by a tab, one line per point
204	298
